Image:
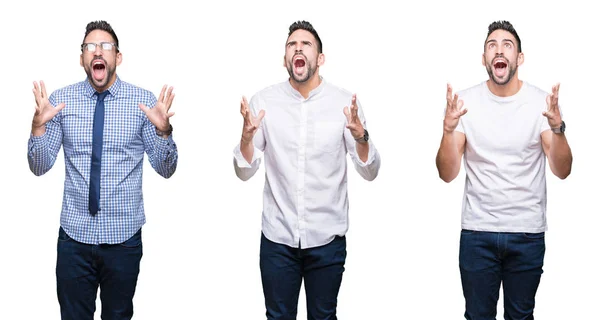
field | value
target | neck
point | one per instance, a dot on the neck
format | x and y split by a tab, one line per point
307	86
505	90
105	87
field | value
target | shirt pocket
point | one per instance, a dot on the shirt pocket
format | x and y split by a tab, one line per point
328	136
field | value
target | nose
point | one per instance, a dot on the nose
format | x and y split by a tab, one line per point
98	51
500	50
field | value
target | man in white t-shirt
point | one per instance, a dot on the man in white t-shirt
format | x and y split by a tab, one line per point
510	129
305	127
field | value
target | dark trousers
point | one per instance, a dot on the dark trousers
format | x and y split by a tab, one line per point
490	258
82	268
283	268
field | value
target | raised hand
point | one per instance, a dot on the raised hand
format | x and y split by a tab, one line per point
454	110
354	124
159	115
44	111
553	113
251	122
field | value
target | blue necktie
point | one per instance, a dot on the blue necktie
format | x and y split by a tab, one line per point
97	153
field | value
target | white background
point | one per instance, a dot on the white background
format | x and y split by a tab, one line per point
201	241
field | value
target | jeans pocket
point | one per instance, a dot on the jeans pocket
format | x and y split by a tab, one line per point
63	236
341	252
466	232
534	236
133	242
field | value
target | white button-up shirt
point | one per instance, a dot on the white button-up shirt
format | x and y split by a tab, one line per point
304	141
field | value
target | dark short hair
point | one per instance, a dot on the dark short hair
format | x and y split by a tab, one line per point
506	26
305	25
104	26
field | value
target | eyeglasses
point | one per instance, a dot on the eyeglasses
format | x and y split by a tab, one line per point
104	46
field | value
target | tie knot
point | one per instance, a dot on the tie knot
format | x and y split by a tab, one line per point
101	95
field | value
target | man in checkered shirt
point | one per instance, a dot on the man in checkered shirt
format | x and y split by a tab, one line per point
104	125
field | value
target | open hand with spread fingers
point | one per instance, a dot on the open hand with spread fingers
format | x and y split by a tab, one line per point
454	110
553	112
44	111
251	123
159	115
354	125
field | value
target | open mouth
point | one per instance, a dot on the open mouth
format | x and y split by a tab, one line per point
99	69
500	67
500	64
299	64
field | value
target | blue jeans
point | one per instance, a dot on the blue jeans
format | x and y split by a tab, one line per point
283	268
82	268
490	258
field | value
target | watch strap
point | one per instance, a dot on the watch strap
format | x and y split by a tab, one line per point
364	138
560	129
165	133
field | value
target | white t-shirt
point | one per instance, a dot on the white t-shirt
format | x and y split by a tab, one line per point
505	188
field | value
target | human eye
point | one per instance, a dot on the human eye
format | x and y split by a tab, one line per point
91	47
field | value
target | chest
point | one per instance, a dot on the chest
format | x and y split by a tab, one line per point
313	126
507	130
122	126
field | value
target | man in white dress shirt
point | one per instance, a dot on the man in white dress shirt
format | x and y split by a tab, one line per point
304	126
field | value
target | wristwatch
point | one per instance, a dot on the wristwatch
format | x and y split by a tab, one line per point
560	129
165	133
364	138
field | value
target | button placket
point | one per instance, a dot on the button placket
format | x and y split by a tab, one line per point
302	171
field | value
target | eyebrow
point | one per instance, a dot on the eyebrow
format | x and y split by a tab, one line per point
503	40
303	42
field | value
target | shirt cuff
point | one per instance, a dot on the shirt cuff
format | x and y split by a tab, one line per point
35	142
163	143
370	156
241	162
37	139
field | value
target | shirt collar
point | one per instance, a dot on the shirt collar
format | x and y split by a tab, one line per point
292	91
113	89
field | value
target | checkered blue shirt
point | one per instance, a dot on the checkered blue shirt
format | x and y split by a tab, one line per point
127	134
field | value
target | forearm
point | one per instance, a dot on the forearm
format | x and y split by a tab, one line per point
362	150
247	150
38	131
43	146
244	163
366	159
166	156
369	169
560	156
448	157
38	155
